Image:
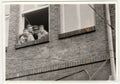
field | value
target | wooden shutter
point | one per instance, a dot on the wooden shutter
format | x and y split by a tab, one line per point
87	17
70	18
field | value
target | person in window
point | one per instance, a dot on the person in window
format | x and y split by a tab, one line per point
26	37
30	28
36	31
22	39
42	32
29	35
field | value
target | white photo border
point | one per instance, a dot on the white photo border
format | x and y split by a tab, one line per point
2	36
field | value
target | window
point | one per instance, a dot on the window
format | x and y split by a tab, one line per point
75	17
34	25
38	17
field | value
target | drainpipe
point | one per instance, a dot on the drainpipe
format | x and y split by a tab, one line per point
110	43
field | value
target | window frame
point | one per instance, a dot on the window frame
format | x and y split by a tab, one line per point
22	13
22	24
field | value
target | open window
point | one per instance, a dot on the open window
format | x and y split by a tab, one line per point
37	17
34	27
76	19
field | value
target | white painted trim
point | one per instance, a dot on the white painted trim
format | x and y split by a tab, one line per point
35	9
36	6
7	30
49	21
62	18
94	15
78	15
21	23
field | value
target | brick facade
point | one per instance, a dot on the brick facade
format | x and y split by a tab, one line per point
85	51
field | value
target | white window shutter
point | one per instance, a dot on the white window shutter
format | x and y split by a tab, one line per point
70	18
87	17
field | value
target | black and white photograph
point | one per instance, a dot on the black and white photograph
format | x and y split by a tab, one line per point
60	42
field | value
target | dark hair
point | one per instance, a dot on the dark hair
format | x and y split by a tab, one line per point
22	35
35	27
29	25
41	25
25	29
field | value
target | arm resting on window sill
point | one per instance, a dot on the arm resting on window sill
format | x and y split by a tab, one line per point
35	42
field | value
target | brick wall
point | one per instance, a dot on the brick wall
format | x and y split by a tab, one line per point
86	48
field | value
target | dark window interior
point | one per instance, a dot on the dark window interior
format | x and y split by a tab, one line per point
38	17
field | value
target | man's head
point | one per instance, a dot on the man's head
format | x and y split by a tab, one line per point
25	31
30	28
29	25
41	27
35	28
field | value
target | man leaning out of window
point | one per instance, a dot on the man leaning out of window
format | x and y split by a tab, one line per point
42	32
26	36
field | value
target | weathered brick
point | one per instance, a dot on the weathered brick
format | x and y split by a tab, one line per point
49	56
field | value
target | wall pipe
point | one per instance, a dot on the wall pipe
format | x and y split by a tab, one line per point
110	43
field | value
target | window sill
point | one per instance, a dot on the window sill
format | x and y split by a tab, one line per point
31	43
76	32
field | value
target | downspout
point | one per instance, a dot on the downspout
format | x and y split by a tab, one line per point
110	43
